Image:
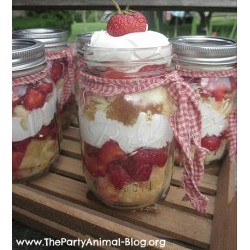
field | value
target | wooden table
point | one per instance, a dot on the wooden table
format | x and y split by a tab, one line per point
59	204
193	5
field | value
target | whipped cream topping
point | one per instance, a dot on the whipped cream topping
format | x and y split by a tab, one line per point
145	39
155	132
136	49
213	122
30	122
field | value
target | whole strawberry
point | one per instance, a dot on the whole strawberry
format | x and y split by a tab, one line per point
125	22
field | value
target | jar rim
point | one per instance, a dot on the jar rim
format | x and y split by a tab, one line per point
49	36
28	56
204	50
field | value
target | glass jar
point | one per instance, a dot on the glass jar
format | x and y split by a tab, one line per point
124	111
208	64
60	62
34	102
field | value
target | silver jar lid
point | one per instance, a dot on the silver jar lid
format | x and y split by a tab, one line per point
82	40
204	50
52	38
28	57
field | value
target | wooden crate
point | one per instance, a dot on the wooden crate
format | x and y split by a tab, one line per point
59	204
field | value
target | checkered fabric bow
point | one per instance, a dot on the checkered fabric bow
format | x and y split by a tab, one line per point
185	123
232	118
70	77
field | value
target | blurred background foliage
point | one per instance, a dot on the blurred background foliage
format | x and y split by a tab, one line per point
170	23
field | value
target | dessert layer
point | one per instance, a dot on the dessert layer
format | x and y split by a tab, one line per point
27	123
155	132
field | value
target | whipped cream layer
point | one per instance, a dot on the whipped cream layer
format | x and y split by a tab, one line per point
213	122
145	48
30	122
155	132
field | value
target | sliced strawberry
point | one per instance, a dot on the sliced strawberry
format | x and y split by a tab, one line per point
94	166
114	74
90	150
56	70
158	157
111	151
17	158
21	145
138	171
54	132
45	88
118	176
218	94
151	156
211	143
33	99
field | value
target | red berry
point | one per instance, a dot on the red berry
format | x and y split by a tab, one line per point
111	151
33	99
56	70
45	88
21	145
118	176
218	94
113	74
94	166
158	157
17	158
211	143
138	171
151	156
126	22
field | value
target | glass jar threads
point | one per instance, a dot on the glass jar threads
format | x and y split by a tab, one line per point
34	102
123	117
208	64
60	61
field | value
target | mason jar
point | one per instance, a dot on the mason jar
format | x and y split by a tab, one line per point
60	62
34	106
208	65
123	113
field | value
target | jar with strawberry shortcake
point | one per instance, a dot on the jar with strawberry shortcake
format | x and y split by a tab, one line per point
126	136
208	65
59	54
35	134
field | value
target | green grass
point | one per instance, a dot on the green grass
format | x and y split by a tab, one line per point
79	28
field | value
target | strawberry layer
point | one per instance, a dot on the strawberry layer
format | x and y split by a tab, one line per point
27	123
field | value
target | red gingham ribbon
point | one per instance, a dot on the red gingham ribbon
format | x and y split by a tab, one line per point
186	122
29	79
232	135
70	77
232	124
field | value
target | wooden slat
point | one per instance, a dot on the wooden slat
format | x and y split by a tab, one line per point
207	185
71	148
69	167
71	133
49	227
214	5
225	217
78	218
166	223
